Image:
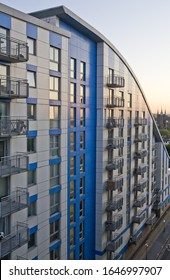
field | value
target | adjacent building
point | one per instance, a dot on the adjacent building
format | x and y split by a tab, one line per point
83	168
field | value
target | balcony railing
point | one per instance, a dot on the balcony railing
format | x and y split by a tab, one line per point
13	164
158	191
114	184
151	220
115	102
13	127
13	87
135	237
140	137
139	218
140	170
112	246
16	239
115	163
116	81
115	223
115	204
140	121
13	50
140	154
115	123
14	202
140	201
115	143
156	205
141	185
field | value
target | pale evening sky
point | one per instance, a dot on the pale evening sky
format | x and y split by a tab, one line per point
139	29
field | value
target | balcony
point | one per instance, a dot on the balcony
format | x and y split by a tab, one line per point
139	218
140	122
140	170
13	127
115	81
141	185
14	202
13	50
112	246
140	138
140	201
13	87
13	164
154	198
16	239
114	224
115	123
151	220
140	154
114	205
156	205
158	191
135	237
115	102
115	143
115	163
114	184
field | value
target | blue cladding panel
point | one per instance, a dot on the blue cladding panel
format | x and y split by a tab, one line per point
32	133
56	217
33	229
56	189
31	31
56	245
32	100
5	21
54	131
54	73
83	49
54	161
33	198
31	67
55	40
32	166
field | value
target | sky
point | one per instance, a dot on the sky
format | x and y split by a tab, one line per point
139	29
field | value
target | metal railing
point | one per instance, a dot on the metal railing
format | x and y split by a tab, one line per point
139	218
140	154
139	201
114	184
141	185
112	246
13	127
115	223
140	121
140	137
13	50
115	123
116	81
140	170
114	143
116	101
14	202
115	204
13	164
115	163
13	87
17	238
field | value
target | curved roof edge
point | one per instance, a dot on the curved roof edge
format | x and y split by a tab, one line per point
79	24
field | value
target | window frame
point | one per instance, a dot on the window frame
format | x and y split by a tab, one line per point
32	81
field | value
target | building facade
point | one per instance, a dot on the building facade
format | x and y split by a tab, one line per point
83	169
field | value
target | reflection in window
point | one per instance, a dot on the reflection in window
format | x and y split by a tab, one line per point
73	68
31	77
54	88
54	117
31	45
54	59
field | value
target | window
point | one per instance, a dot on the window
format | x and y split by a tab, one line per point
82	163
4	187
81	208
81	252
81	232
31	77
31	144
72	117
72	190
72	141
54	59
54	117
32	209
3	43
82	70
32	45
129	100
5	225
82	94
82	117
72	237
72	165
82	186
72	93
54	203
32	240
54	146
82	140
72	214
54	175
111	76
73	68
55	254
31	177
31	111
54	88
54	230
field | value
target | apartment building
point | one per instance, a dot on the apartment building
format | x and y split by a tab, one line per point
83	169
